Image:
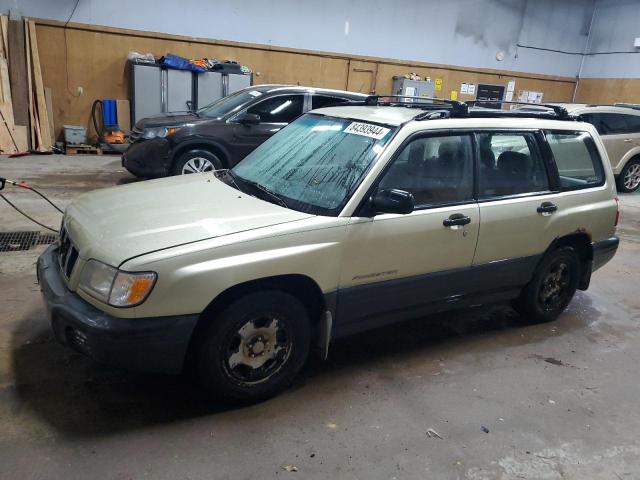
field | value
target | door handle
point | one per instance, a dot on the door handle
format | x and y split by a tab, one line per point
628	140
457	219
547	208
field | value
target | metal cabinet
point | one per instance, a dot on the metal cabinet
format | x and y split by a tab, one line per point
156	90
209	88
146	91
177	90
413	88
236	82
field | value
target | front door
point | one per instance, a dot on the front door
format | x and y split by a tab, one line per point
275	113
399	266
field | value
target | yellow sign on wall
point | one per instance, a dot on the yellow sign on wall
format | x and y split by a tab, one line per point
438	84
454	94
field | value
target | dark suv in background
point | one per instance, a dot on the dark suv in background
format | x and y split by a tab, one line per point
222	133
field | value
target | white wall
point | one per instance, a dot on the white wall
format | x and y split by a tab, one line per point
454	32
616	23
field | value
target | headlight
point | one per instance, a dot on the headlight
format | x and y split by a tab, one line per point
161	132
114	287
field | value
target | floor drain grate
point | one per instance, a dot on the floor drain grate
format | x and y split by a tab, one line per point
15	241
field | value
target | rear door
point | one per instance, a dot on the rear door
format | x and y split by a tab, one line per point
620	134
275	113
517	205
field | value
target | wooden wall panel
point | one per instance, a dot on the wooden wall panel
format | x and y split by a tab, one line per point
97	63
608	90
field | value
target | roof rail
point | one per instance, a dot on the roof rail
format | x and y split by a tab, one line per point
561	112
634	106
457	108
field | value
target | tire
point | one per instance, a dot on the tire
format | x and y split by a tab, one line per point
552	287
629	179
238	359
196	161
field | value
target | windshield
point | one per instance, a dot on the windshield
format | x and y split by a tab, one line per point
232	103
314	164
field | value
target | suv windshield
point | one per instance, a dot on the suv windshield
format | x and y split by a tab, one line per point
314	164
229	104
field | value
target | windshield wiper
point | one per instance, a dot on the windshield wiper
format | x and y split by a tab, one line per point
253	184
264	189
232	177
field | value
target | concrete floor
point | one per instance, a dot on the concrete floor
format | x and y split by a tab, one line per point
509	402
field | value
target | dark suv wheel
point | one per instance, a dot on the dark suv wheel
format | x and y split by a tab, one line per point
255	347
552	287
196	161
629	178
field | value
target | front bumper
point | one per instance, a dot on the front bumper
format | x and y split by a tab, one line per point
148	158
603	251
154	345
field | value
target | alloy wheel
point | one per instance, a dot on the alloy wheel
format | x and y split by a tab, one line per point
632	177
197	165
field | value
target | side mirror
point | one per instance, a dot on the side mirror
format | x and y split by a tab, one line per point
248	118
392	201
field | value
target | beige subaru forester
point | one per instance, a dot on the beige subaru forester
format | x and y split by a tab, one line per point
348	219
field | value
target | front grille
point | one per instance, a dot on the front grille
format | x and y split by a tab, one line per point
67	253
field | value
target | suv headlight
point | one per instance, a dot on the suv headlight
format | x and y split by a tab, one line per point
161	132
115	287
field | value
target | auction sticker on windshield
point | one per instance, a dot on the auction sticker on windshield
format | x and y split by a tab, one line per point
367	130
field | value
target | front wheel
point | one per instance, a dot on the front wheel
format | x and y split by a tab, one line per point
196	161
255	347
552	287
629	178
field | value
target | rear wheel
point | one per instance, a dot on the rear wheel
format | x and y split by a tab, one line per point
552	287
196	161
255	347
629	178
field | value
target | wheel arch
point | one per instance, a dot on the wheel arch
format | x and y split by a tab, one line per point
200	144
633	154
302	287
581	242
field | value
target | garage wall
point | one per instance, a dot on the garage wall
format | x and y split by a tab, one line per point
97	63
612	77
453	32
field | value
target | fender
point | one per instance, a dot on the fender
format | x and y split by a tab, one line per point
634	152
200	141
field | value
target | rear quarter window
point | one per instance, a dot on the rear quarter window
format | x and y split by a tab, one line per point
577	158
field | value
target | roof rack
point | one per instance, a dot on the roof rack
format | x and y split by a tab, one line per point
425	103
635	106
558	111
445	108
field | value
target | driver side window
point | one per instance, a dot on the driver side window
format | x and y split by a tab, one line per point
280	109
435	170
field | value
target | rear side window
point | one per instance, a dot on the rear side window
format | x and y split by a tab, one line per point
320	101
577	158
613	123
510	164
633	123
